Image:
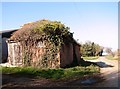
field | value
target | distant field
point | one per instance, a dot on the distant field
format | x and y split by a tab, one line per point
110	57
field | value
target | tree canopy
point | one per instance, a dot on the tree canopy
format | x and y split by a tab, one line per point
91	49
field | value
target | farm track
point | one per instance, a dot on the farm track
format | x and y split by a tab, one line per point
109	72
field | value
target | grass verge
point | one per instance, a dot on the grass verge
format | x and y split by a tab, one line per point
90	58
60	73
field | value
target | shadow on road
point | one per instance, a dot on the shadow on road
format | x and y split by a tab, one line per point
103	64
111	80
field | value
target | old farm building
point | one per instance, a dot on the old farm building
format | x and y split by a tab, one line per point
4	35
45	44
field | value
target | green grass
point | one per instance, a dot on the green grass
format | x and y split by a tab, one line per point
90	58
52	73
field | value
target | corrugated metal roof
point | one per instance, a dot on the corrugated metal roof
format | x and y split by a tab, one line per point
7	33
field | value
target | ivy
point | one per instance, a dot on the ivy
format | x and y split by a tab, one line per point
52	33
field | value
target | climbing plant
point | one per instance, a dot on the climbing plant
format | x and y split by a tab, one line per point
52	33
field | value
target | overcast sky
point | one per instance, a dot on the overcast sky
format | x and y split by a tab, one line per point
94	21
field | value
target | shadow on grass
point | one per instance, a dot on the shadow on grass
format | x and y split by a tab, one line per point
84	63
